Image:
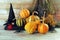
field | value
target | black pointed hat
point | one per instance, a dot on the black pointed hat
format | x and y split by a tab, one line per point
39	8
11	15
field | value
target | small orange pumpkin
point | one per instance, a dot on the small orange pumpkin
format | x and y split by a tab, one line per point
24	13
43	27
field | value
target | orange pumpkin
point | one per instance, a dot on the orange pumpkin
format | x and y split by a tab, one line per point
33	18
24	13
43	28
30	27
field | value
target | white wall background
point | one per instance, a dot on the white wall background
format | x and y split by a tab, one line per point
17	5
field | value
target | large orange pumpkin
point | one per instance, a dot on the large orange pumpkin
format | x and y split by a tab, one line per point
30	27
33	18
24	13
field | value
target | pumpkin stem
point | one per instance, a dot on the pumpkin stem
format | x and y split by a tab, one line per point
44	17
33	15
34	12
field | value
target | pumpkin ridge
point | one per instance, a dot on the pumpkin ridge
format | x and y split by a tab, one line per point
25	12
32	27
41	28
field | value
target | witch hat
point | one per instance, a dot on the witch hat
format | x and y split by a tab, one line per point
11	15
